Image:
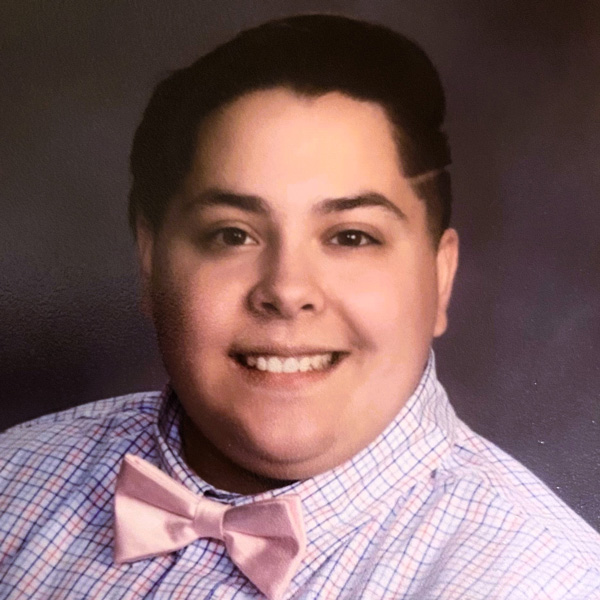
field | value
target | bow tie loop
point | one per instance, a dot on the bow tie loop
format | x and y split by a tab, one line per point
209	517
156	515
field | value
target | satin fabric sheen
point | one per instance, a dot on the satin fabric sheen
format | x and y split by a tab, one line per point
154	514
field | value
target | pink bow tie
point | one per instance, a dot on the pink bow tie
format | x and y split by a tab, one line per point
154	515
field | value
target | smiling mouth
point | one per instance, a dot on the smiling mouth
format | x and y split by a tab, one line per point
302	363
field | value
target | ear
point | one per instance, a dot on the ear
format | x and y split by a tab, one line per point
145	251
447	262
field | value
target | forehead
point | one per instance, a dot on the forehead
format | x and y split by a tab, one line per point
276	143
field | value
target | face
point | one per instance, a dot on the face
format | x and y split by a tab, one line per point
294	286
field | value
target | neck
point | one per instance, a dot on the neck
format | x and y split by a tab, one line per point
217	469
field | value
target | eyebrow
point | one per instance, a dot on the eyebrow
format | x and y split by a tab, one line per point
257	205
366	200
216	197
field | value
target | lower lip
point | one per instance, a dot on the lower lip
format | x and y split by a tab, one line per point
286	380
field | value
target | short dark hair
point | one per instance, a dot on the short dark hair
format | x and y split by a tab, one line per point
312	55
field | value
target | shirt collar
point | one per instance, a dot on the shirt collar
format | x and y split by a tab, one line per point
408	450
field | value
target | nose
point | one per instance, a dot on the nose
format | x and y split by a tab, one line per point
287	286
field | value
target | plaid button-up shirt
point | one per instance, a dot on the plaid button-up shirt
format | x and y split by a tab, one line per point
429	510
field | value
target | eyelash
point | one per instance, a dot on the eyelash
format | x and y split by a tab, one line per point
368	240
216	238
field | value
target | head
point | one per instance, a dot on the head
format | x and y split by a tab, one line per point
311	55
291	208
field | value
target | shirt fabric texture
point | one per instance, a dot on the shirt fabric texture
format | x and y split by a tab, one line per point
428	511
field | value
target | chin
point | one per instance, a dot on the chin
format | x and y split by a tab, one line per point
284	453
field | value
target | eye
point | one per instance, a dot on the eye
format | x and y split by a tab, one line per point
231	236
353	238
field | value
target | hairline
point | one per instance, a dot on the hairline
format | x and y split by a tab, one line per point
308	92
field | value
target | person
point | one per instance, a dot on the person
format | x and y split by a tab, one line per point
291	207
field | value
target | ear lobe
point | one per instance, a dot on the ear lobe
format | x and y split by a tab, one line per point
447	263
145	250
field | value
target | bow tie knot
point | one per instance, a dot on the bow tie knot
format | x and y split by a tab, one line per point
208	520
155	515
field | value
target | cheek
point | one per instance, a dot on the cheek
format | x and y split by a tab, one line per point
389	305
195	305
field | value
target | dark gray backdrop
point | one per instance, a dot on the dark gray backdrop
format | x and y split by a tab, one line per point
521	357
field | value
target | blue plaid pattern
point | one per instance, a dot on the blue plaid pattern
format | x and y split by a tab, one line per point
428	511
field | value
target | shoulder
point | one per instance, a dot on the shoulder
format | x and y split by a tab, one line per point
503	516
121	411
483	526
57	474
66	441
479	465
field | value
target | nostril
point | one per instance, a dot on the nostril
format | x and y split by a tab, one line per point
271	301
270	307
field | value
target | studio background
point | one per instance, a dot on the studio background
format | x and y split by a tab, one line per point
521	357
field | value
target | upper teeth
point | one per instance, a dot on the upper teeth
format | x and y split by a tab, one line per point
290	364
